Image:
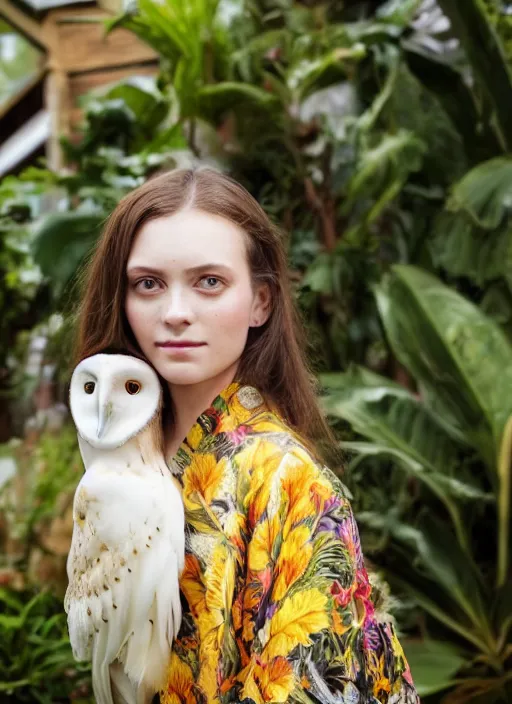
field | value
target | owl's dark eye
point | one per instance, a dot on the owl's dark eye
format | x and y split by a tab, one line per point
89	387
133	387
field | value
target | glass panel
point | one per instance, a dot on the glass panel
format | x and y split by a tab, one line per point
19	61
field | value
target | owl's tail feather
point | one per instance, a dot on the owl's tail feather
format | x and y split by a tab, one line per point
123	690
145	660
100	670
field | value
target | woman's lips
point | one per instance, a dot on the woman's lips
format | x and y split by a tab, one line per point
184	344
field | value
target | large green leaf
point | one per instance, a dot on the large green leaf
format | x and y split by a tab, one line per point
309	75
462	249
438	576
485	193
472	25
383	169
433	664
454	351
437	559
391	416
142	97
61	241
473	236
445	616
414	108
402	428
442	558
437	482
504	499
214	100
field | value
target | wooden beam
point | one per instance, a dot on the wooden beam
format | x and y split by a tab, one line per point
22	22
57	104
56	98
79	44
15	99
115	7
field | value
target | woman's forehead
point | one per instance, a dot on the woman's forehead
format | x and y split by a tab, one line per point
188	239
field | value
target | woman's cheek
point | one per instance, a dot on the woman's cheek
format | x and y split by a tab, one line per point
233	313
140	318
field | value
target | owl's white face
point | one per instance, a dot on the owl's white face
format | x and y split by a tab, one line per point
112	398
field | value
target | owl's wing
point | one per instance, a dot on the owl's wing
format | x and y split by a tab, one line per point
123	567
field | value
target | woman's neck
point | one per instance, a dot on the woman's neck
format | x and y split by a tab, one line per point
189	402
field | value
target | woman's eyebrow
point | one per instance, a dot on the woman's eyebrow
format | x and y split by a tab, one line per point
144	270
209	267
217	266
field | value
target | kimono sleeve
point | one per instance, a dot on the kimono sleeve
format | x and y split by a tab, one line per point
310	630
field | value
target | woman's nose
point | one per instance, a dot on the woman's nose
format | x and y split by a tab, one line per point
177	309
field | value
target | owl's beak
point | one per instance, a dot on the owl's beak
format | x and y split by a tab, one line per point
103	420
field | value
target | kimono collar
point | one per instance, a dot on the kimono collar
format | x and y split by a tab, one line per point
233	407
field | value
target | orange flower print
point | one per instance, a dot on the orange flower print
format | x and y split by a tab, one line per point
293	560
381	685
276	680
203	476
262	544
192	585
180	683
339	627
296	486
267	682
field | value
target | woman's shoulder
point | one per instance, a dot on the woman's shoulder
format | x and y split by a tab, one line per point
272	449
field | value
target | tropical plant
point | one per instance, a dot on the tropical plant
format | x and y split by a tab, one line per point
36	507
120	147
472	236
24	296
349	127
36	663
447	544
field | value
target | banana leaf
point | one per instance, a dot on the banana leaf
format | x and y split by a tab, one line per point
455	352
402	428
438	576
505	485
61	241
309	75
437	482
482	45
462	249
144	100
434	665
213	100
391	416
485	193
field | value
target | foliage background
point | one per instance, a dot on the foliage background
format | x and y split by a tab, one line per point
378	135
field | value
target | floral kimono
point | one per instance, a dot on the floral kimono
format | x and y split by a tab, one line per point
276	600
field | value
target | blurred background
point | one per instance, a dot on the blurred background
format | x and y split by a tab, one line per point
378	134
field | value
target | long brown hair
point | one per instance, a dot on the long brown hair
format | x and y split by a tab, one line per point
274	358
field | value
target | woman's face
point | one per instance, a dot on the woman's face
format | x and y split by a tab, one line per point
189	299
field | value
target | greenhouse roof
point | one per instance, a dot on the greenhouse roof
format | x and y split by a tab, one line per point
47	4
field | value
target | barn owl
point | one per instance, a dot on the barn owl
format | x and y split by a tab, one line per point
127	549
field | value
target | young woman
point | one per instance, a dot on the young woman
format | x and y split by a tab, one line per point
191	275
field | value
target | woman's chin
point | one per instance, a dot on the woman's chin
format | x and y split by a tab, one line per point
181	374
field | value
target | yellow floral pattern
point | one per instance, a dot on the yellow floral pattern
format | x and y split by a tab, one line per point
277	604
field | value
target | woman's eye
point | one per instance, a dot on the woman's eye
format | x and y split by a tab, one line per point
146	284
210	282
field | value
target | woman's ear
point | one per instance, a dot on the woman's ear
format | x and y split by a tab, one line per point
261	306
